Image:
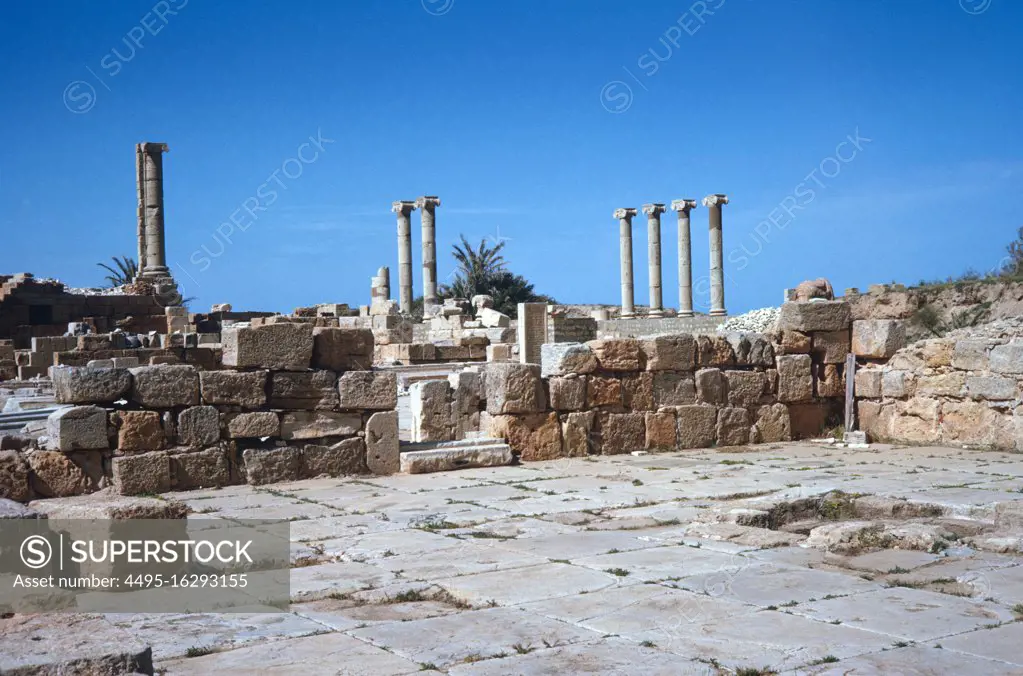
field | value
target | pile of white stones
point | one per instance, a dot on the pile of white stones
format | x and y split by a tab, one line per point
756	321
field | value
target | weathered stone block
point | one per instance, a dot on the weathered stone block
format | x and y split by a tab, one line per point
618	354
674	388
994	388
895	384
233	388
867	383
745	387
199	426
1007	358
795	382
936	353
772	424
532	437
661	432
272	465
78	385
284	346
828	380
715	350
14	477
568	393
383	455
638	391
61	475
711	386
368	390
945	385
878	338
831	347
971	355
817	316
807	421
514	388
622	433
139	431
733	427
697	426
165	386
559	359
342	349
794	342
208	468
347	456
77	428
308	390
577	433
670	353
869	418
315	424
252	425
603	391
467	392
761	351
143	473
433	418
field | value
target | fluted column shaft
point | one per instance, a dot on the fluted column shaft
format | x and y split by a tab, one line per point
624	217
717	262
149	158
427	208
653	230
404	210
685	257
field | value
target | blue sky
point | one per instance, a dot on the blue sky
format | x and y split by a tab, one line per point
862	140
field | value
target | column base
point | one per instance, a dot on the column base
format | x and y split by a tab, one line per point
718	313
627	315
685	314
155	273
655	314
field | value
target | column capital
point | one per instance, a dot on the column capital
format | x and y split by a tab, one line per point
624	213
653	209
153	147
427	201
403	207
683	205
715	200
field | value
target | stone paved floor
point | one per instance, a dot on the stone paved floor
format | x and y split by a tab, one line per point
617	565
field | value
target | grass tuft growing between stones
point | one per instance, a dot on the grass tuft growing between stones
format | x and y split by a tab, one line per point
199	651
620	572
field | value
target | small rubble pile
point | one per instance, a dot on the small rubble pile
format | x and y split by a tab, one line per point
754	321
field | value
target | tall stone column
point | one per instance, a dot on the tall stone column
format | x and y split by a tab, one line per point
717	259
427	206
404	209
624	217
149	167
653	230
685	257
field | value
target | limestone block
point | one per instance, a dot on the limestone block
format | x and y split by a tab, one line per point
368	390
199	426
670	353
297	425
143	473
59	475
568	393
514	388
1007	358
745	387
14	477
431	407
77	385
711	386
946	385
577	434
559	359
733	427
618	354
870	419
993	388
937	352
493	319
501	335
674	388
602	391
971	355
830	347
342	349
818	316
828	380
233	388
285	346
165	386
794	342
867	383
697	426
661	430
252	425
535	436
77	428
795	382
761	351
741	346
347	456
307	390
713	351
467	392
878	338
208	468
895	384
771	386
971	422
772	424
638	391
622	433
383	455
139	431
272	465
807	420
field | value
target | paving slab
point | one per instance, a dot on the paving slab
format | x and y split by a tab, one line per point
766	584
662	563
79	644
316	582
342	615
998	643
531	583
465	558
571	546
885	561
913	661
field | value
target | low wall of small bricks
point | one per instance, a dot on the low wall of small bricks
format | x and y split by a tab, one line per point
288	401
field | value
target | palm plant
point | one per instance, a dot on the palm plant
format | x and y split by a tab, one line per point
475	267
123	272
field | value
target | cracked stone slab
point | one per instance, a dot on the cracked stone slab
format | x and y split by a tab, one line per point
999	643
465	558
767	585
572	546
532	583
341	615
914	661
662	563
316	582
79	644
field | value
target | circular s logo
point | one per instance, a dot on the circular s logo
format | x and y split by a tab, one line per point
36	551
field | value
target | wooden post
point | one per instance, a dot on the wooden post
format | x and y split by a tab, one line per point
850	392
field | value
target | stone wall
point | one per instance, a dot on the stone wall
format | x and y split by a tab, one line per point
640	327
961	389
289	401
571	329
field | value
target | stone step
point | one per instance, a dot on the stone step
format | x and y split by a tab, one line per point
446	456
